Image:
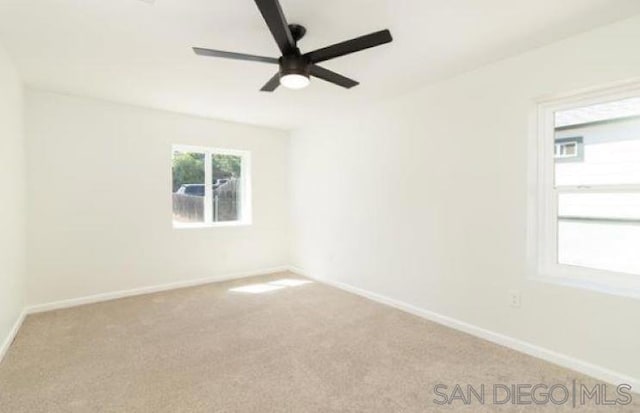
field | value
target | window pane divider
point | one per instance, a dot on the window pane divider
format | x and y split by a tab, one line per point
597	188
634	221
208	188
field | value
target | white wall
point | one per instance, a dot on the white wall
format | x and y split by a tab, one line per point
423	199
12	199
100	199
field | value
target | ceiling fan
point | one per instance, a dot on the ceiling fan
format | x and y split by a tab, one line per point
296	68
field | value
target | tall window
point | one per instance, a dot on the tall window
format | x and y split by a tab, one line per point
211	187
589	190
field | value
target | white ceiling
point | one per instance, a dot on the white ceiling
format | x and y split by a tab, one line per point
139	51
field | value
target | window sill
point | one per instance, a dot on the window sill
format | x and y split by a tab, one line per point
630	289
200	225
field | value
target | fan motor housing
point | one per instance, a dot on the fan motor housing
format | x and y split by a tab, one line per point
294	65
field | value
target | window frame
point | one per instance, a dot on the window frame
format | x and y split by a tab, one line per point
245	193
543	200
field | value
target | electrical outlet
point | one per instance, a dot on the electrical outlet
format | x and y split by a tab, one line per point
514	298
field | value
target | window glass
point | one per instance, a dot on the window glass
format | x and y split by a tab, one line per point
188	187
610	146
597	173
599	230
226	177
601	205
599	245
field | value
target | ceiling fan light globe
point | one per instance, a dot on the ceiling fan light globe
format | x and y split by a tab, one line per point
294	81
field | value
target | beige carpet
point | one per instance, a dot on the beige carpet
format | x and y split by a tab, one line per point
305	348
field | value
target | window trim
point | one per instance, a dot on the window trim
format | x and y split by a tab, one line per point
543	264
246	211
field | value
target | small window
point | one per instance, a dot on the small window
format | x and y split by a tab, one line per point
569	149
588	218
210	187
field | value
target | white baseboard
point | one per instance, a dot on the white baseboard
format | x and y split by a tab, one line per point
563	360
74	302
12	334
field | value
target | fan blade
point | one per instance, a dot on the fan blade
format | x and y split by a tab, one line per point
332	77
272	84
273	15
232	55
350	46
